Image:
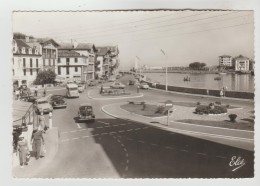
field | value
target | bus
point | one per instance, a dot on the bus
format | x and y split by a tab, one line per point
72	90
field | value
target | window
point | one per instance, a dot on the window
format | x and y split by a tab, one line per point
67	70
76	69
37	63
31	72
23	50
37	71
67	61
59	72
24	72
53	62
49	62
24	62
43	62
36	51
30	62
58	60
30	51
76	60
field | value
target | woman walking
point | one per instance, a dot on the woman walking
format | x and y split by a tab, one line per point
23	150
37	141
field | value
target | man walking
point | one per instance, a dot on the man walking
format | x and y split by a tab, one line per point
36	91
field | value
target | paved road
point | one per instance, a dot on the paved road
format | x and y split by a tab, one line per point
114	148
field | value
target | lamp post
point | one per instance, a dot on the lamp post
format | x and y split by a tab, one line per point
166	71
139	68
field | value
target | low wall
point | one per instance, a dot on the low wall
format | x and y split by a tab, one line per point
200	91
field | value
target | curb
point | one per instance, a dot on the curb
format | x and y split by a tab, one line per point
90	97
193	133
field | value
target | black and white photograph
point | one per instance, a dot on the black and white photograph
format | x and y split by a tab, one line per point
133	93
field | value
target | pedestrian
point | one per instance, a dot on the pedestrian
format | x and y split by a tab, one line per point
221	92
41	122
101	89
224	91
36	91
44	92
138	87
17	93
50	120
37	142
23	150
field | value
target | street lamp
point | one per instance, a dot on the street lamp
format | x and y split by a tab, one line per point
139	68
166	71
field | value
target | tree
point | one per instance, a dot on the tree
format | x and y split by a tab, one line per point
18	35
45	77
197	66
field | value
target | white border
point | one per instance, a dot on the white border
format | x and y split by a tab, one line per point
5	80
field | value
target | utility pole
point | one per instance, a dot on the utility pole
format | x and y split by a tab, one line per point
166	71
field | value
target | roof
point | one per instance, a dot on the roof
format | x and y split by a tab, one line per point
85	104
46	40
19	111
225	55
101	51
68	53
80	46
241	58
21	43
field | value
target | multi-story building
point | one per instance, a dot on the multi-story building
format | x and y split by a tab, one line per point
86	49
225	61
242	64
48	49
102	62
27	62
72	65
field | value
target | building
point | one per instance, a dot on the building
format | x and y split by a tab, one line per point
225	61
102	61
27	62
48	49
85	49
72	65
241	64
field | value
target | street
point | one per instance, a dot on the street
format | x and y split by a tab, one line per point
116	148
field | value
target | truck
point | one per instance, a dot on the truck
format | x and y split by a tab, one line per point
72	90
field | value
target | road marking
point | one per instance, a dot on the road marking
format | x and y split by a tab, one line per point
141	141
99	127
104	133
121	131
154	144
137	128
127	156
65	140
75	138
129	130
73	131
183	150
85	136
104	122
78	126
126	168
112	133
122	145
125	150
167	147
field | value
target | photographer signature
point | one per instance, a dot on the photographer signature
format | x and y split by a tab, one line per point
237	162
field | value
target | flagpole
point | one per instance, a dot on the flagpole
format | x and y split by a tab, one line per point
166	71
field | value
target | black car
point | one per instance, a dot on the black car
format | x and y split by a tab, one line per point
131	82
58	101
29	98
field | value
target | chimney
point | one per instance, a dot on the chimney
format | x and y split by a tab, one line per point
27	39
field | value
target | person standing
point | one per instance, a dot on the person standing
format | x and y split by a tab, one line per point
17	93
50	120
44	92
23	150
221	92
138	88
41	122
36	91
37	141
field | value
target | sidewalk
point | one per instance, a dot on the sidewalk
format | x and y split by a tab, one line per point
33	168
232	137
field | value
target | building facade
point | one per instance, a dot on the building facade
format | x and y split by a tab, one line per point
225	61
84	49
72	65
242	64
27	62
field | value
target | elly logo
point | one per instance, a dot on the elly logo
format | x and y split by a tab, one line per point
237	162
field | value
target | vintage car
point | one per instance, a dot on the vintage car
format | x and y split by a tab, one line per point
85	112
111	79
81	88
58	101
117	85
42	105
92	82
131	82
144	86
29	98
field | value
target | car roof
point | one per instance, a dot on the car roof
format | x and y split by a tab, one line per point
85	104
72	85
42	99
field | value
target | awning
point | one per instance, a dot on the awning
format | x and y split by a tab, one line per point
20	109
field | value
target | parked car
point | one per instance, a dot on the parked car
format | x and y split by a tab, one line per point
42	105
111	79
144	86
29	98
92	83
58	101
117	85
86	112
131	82
118	76
81	88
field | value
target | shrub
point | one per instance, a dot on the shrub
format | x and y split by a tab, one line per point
218	103
232	117
198	103
160	109
203	109
211	106
227	105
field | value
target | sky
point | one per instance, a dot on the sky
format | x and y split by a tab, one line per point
184	36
